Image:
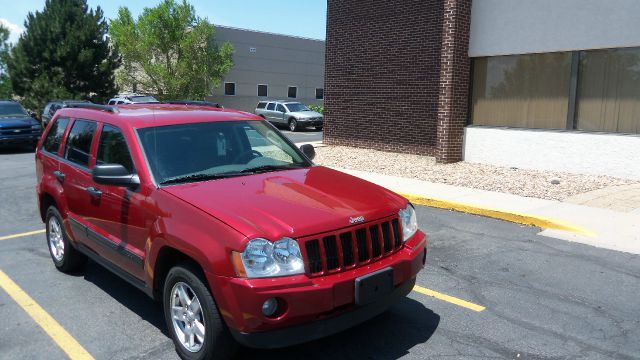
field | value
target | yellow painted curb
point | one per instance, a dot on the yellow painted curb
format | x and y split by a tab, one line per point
517	218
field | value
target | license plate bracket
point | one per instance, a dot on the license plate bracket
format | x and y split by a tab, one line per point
371	287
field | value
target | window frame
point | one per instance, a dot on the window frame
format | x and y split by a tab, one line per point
62	138
289	87
126	141
258	90
225	88
92	148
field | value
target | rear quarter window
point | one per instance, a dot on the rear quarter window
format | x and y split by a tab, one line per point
51	143
271	106
261	105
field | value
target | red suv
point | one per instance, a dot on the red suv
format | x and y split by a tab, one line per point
216	214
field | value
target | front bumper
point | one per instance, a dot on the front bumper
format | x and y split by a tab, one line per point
318	329
31	139
314	307
309	122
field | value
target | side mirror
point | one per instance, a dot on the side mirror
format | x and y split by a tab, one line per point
113	174
308	151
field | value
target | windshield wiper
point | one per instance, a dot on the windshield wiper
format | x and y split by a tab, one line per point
199	177
267	168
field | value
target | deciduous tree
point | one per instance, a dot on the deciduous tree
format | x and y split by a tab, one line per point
169	51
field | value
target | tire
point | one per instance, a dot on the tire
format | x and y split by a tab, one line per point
65	257
217	342
293	125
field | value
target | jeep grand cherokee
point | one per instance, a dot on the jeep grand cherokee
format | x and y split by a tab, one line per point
217	215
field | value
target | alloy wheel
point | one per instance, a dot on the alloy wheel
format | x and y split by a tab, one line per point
55	238
187	317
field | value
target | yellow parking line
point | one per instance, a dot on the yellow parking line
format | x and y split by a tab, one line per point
7	237
64	340
447	298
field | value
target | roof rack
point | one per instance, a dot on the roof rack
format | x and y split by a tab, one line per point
193	102
111	109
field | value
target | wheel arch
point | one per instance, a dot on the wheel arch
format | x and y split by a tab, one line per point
166	259
46	200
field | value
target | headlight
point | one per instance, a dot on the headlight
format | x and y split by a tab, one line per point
409	222
263	258
36	127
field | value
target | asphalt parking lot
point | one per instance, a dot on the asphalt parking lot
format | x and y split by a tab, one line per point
538	297
304	135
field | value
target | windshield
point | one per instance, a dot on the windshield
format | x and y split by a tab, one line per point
294	107
211	150
12	109
143	99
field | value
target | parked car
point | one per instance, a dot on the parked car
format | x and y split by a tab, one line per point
54	105
234	229
132	99
17	125
293	114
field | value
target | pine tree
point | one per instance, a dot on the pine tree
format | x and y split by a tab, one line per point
5	83
63	53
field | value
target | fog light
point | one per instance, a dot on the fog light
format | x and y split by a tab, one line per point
270	307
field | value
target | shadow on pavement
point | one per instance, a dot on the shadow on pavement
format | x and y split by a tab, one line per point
387	336
13	150
134	299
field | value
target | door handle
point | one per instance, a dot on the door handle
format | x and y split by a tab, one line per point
59	175
94	192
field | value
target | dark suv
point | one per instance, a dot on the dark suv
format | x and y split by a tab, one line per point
54	105
215	213
17	126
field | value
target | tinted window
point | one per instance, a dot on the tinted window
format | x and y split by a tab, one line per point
261	105
12	109
319	93
280	108
229	88
271	106
293	92
262	90
112	148
54	136
112	102
79	141
294	107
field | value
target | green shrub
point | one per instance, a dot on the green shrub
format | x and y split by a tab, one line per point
317	108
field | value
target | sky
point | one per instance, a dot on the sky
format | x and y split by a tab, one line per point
306	18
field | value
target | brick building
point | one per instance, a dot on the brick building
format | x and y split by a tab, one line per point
541	84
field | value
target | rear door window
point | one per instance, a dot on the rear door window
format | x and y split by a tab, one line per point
51	143
78	147
113	149
281	108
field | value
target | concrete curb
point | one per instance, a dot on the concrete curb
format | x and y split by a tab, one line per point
525	219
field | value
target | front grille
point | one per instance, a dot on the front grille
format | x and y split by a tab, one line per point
339	250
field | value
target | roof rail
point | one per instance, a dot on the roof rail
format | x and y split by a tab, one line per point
111	109
193	102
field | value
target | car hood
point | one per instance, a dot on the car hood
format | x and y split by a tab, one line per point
16	121
305	114
292	203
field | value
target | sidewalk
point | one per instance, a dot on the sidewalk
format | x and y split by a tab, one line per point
600	227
